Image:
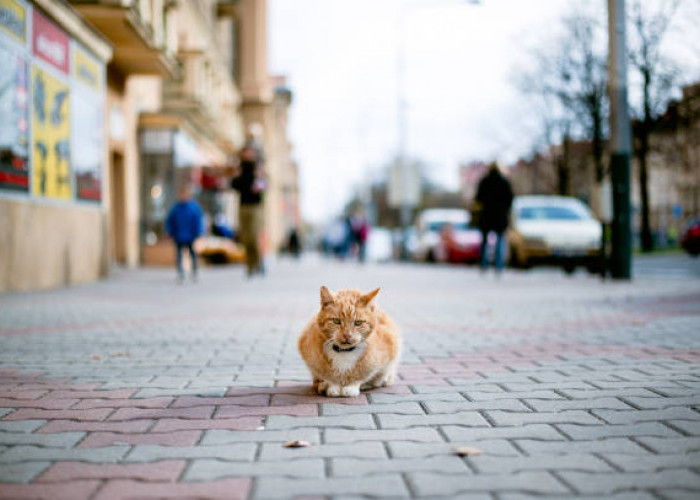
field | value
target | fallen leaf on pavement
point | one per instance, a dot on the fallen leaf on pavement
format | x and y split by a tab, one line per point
467	451
97	356
297	443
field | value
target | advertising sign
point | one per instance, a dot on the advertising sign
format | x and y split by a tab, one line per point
13	20
51	124
87	125
14	125
50	42
86	70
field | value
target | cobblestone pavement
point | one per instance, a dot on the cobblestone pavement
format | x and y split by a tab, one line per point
136	387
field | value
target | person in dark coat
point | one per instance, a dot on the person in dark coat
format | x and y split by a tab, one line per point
251	186
184	225
495	197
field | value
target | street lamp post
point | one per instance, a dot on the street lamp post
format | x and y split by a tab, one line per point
620	143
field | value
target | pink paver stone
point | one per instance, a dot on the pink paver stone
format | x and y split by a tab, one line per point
168	471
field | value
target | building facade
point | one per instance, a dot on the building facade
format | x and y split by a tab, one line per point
53	210
149	95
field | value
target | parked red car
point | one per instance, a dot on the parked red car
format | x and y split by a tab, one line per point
461	244
690	240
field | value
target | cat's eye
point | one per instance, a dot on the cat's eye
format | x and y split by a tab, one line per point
336	321
358	322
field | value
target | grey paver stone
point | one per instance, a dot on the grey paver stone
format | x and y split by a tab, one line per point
431	485
578	404
671	445
591	432
656	403
5	411
60	440
534	394
408	449
610	445
367	449
419	434
385	485
679	413
532	431
498	404
407	408
221	437
448	464
351	421
581	462
107	454
608	483
690	428
653	463
207	392
22	472
21	425
209	470
608	393
389	421
381	398
560	417
242	452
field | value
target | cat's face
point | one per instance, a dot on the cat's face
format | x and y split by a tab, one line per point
347	317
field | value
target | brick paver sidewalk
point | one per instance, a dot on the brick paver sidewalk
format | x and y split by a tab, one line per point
136	387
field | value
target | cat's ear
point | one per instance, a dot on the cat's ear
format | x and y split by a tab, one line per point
326	297
367	298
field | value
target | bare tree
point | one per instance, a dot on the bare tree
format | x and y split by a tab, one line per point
571	81
658	75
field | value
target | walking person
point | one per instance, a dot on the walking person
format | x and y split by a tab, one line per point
360	232
184	225
495	197
251	186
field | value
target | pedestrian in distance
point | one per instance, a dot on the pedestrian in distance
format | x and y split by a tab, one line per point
251	186
184	225
494	198
360	231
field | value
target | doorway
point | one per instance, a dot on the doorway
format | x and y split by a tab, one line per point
117	208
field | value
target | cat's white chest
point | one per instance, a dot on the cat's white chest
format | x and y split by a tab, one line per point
345	361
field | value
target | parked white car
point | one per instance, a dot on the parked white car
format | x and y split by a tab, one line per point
554	229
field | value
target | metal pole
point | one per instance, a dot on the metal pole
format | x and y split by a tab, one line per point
403	133
620	143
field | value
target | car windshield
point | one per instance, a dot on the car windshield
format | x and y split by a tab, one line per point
438	225
552	212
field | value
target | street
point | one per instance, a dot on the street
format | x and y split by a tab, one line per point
566	386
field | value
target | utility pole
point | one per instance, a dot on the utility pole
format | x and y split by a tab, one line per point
620	143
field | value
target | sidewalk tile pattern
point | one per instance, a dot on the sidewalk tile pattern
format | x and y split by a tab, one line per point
134	387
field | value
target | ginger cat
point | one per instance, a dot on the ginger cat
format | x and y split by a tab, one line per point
350	345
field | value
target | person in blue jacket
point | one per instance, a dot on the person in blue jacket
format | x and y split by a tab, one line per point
184	225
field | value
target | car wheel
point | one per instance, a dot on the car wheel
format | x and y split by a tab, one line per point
569	268
430	257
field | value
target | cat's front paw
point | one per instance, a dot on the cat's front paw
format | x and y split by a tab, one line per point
350	391
333	391
321	388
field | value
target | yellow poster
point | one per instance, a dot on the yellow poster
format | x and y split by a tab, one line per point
13	19
51	174
86	69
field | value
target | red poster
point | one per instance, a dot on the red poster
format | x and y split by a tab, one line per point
50	42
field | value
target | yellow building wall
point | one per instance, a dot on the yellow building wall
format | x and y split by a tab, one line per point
48	246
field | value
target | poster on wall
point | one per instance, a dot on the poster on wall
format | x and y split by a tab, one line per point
14	124
51	147
87	123
13	20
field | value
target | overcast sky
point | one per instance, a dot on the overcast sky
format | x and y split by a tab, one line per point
340	58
